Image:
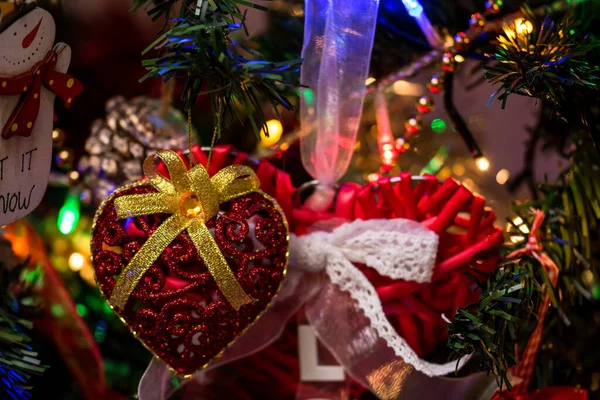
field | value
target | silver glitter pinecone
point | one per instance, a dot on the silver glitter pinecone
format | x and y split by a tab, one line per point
117	147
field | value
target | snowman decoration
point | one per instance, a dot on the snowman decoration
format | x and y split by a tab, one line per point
32	74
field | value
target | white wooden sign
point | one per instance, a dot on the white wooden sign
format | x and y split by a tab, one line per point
25	160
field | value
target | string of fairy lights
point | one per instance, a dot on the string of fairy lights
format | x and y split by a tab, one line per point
274	138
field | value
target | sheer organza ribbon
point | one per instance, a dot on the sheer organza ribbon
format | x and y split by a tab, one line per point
324	278
338	39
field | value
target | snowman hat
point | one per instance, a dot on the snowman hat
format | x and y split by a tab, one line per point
12	10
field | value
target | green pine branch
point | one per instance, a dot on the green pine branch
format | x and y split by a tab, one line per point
490	328
200	48
18	358
543	59
506	312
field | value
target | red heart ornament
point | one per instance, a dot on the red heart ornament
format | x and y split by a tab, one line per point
177	310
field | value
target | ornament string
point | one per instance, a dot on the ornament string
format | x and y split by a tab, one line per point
190	139
190	133
214	136
191	197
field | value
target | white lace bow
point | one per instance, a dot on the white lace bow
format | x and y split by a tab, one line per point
396	248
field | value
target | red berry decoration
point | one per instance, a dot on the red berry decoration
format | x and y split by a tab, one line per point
413	125
424	104
436	84
189	262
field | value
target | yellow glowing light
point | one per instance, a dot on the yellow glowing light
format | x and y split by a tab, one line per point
275	131
458	58
483	163
524	229
448	41
523	26
587	277
405	88
387	147
298	11
444	173
76	261
388	156
370	80
517	221
74	175
516	239
458	169
510	33
373	177
502	176
87	274
285	146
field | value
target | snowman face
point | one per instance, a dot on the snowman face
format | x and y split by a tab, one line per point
26	42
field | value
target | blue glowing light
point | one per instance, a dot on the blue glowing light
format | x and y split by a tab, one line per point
413	7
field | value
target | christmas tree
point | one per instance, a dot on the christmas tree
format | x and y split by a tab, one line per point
392	199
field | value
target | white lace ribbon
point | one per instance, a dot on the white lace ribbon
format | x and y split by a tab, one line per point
396	248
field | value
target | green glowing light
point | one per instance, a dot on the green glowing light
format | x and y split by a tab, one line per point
309	97
57	310
596	292
82	310
436	163
31	276
438	125
124	369
68	216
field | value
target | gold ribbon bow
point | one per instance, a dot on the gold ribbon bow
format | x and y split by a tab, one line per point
192	198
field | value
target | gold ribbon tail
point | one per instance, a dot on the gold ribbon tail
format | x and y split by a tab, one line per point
135	205
145	257
217	265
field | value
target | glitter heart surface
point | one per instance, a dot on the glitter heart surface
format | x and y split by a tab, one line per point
177	310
